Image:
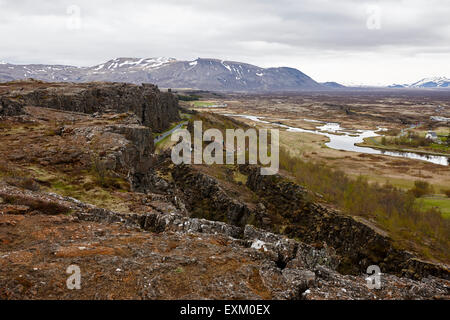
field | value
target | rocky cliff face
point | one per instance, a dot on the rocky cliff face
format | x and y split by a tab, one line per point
125	148
204	196
9	107
284	206
358	243
153	108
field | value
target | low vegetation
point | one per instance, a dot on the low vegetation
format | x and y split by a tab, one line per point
436	202
201	104
421	188
23	182
46	207
411	140
17	178
95	185
395	210
191	97
414	140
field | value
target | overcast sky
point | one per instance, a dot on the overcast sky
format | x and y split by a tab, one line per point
349	41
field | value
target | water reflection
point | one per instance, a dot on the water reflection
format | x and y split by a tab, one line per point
343	139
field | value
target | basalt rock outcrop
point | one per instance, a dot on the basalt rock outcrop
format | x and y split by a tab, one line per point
169	256
153	108
120	142
124	148
10	107
203	194
357	241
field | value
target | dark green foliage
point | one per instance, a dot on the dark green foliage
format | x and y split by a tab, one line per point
191	97
447	192
421	188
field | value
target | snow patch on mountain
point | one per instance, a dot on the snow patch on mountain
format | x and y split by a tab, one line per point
204	74
226	66
431	82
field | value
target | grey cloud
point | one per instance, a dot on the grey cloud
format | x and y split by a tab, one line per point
259	30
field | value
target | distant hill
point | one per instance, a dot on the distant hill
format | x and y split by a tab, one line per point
434	82
204	74
333	85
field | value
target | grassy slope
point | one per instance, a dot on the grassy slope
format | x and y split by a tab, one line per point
437	201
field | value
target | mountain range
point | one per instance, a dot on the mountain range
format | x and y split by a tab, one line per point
433	82
205	74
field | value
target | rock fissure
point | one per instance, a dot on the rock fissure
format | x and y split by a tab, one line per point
262	236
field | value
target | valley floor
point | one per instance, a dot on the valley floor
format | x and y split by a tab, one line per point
354	111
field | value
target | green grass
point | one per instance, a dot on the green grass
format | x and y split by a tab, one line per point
203	103
185	116
166	142
179	270
172	125
84	186
239	177
163	142
440	147
441	202
433	148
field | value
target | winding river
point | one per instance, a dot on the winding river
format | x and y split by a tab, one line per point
342	139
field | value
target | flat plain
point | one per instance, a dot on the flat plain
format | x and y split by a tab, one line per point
395	111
